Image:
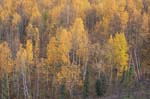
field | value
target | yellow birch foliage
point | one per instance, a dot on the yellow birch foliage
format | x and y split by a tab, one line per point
58	49
120	52
79	37
70	75
29	51
121	5
6	64
77	8
55	13
30	8
80	7
124	17
145	24
46	3
53	52
105	24
64	38
131	7
109	8
16	18
21	58
31	31
7	9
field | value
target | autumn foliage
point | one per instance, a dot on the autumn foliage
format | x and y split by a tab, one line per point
51	49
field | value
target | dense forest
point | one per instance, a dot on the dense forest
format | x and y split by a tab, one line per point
74	49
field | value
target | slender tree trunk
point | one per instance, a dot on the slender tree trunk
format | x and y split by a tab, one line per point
134	66
37	86
71	93
25	87
137	65
18	86
85	70
68	12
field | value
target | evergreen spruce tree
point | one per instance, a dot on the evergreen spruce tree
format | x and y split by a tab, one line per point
101	85
63	92
5	87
